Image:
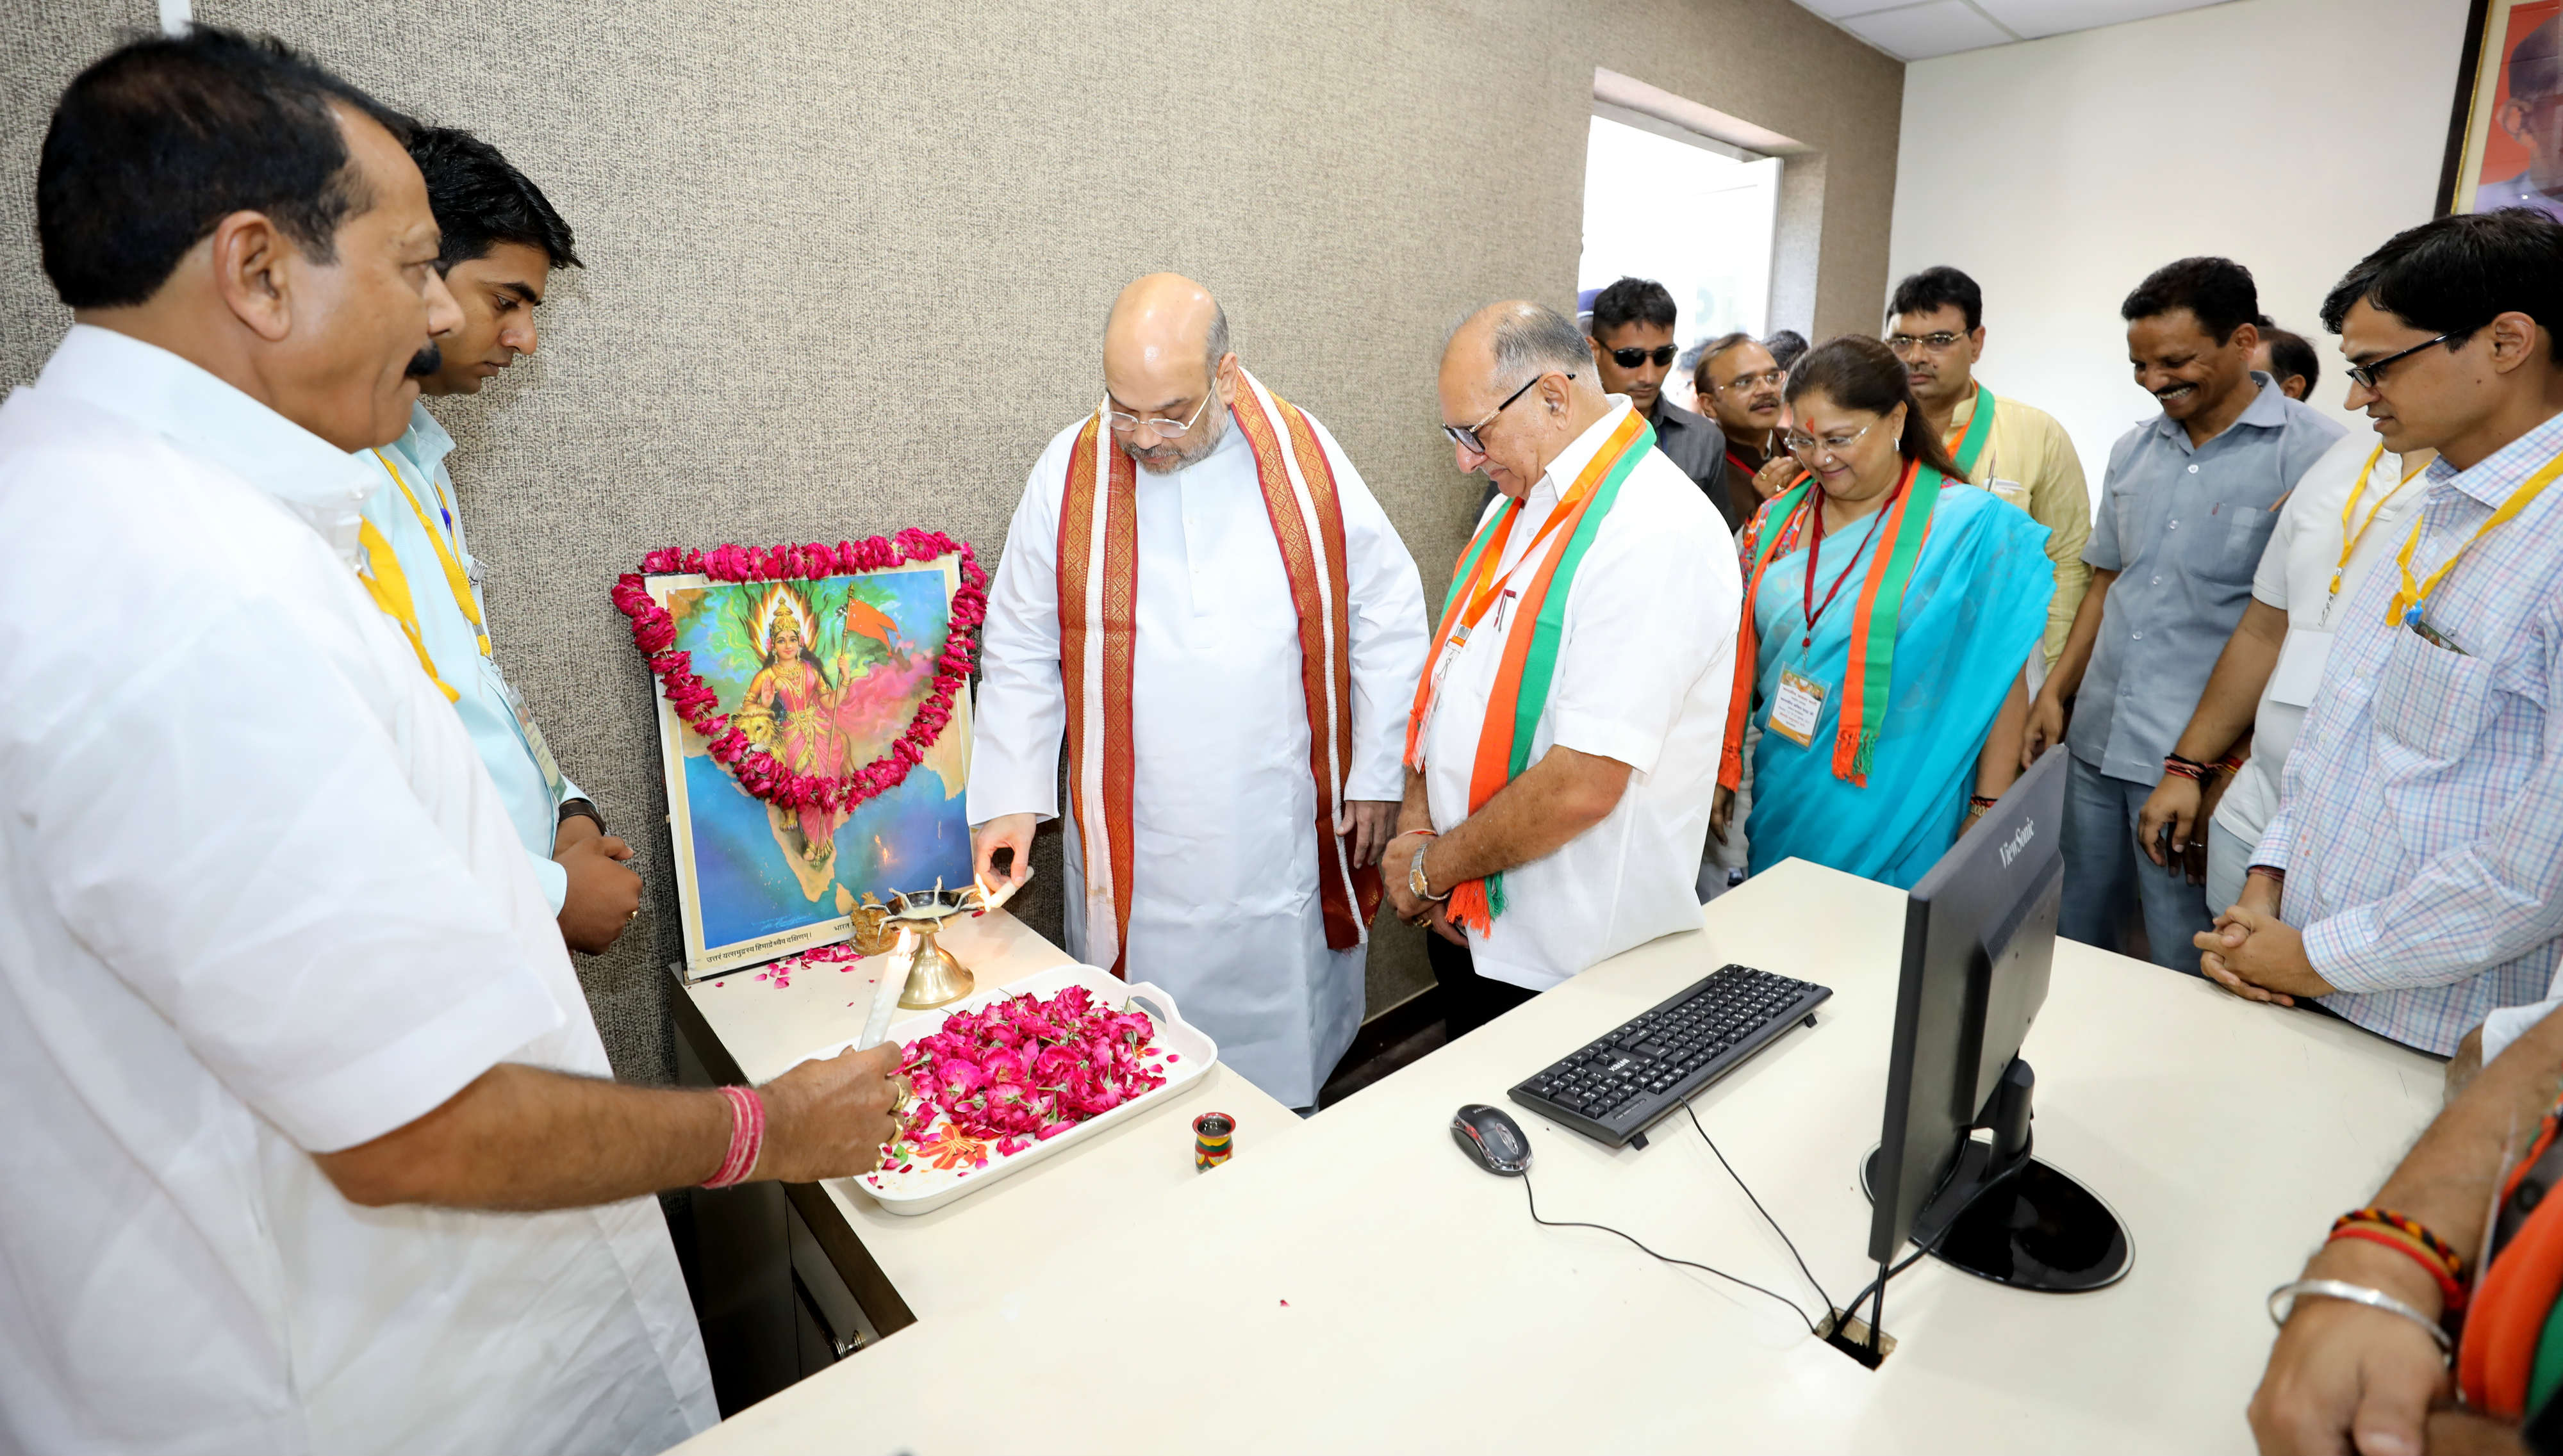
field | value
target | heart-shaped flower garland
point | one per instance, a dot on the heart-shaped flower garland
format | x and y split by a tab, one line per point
653	632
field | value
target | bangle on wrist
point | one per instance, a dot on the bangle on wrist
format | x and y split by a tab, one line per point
2282	1303
746	1137
1982	802
1417	882
2452	1293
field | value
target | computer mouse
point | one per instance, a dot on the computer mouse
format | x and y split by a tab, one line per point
1493	1141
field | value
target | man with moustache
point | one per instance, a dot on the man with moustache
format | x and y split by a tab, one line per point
313	1143
2186	509
501	240
1739	386
1936	326
1631	332
1203	598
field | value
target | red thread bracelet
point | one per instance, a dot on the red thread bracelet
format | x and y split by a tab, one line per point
746	1137
2449	1291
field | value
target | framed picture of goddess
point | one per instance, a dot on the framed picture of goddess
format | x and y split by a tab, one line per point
822	677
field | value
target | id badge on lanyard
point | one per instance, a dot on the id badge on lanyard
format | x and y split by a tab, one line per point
528	730
1452	651
2300	666
1797	707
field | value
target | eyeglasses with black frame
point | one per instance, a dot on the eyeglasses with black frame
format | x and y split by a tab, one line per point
1466	435
1663	354
2366	375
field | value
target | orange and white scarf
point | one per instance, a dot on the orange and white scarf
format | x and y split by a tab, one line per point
1098	609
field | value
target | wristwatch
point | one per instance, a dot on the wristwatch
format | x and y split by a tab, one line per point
571	808
1414	879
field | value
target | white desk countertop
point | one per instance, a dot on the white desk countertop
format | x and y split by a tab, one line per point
1356	1283
981	1247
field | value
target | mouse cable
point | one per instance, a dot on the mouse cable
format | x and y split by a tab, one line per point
1664	1258
1758	1208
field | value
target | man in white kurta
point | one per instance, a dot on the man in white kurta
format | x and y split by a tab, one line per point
1597	835
1223	908
281	1003
256	895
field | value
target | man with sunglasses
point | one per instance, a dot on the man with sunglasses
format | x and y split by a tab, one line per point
2411	879
1631	337
1202	598
1938	329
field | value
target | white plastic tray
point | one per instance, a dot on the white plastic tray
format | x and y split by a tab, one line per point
1179	1050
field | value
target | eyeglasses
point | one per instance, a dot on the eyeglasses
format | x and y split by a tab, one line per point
2366	375
1772	377
1166	428
1663	357
1938	343
1807	449
1466	435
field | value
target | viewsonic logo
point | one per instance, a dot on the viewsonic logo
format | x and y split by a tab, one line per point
2018	841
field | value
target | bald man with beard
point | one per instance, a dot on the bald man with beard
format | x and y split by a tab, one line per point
1203	605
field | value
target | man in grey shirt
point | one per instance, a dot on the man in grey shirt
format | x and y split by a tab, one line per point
2185	512
1632	338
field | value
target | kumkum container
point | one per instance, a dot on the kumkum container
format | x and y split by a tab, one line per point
1213	1133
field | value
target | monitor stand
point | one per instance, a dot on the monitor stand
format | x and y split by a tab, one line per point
2010	1218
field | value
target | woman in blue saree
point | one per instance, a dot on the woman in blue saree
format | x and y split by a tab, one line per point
1889	610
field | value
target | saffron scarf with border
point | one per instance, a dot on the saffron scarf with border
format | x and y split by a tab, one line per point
1099	609
1776	527
1968	446
1537	626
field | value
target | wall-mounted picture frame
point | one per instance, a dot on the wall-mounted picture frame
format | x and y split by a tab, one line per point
2506	138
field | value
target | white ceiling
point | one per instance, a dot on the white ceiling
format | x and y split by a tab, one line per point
1915	30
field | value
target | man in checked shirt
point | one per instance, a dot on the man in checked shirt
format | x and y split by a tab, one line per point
2411	879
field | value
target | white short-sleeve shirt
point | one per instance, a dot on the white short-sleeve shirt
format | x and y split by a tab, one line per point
258	899
2295	576
1644	672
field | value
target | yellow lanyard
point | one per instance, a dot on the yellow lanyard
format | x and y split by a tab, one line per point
2349	539
2409	600
388	585
456	580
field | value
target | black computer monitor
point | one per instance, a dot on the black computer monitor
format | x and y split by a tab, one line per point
1979	940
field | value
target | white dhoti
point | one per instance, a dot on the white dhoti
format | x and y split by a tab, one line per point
1226	895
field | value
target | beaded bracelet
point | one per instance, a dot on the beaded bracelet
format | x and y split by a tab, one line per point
2410	1229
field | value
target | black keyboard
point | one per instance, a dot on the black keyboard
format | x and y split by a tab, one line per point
1612	1088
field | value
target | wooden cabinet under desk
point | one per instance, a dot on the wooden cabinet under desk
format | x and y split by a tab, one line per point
788	1279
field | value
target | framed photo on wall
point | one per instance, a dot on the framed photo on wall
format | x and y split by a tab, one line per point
2505	140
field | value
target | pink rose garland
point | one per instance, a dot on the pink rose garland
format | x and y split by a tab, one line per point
653	632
